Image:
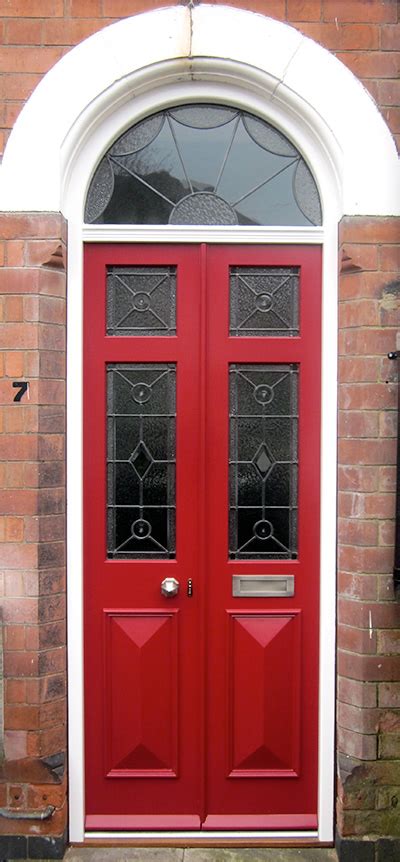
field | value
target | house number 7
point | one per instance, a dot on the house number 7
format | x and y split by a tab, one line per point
22	385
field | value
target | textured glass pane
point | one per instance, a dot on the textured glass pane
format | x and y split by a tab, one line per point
141	453
263	459
264	301
141	300
203	164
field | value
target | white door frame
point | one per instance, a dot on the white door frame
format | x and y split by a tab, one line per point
130	70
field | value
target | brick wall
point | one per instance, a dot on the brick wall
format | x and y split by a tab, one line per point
34	34
368	732
32	529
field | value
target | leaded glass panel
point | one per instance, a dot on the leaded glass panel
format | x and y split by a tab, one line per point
141	460
263	461
264	301
141	300
203	164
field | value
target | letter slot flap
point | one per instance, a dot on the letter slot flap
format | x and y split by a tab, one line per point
263	585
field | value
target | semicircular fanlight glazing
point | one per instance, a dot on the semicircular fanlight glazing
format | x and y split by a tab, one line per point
203	165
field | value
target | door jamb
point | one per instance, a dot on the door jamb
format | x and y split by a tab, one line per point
78	234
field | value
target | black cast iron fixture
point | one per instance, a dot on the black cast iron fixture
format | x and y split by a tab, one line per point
395	354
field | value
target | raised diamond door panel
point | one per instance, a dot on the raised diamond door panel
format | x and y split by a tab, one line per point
264	688
141	706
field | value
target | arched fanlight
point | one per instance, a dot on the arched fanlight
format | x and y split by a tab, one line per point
203	165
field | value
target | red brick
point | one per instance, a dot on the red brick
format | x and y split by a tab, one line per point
390	38
388	642
21	31
377	615
15	691
389	694
18	717
357	478
366	342
52	310
360	10
377	452
15	252
14	637
379	505
52	282
376	64
52	392
357	532
28	59
46	794
368	560
364	369
358	745
361	255
52	364
385	588
86	8
363	312
364	396
38	252
356	640
18	502
18	334
14	529
52	740
20	87
357	693
389	92
389	255
31	8
51	447
52	608
386	533
31	308
50	336
358	719
15	744
358	424
21	664
13	308
392	117
69	32
387	479
18	556
17	226
368	667
356	37
303	10
18	447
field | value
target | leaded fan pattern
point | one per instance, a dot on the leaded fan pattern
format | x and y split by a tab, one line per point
203	165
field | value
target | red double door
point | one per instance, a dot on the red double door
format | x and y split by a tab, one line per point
201	498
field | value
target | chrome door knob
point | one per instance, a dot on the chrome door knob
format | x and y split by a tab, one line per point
169	587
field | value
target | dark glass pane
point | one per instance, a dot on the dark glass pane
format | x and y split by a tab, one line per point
264	301
203	164
263	461
141	455
141	300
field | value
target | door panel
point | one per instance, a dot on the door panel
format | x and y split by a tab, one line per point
202	392
297	553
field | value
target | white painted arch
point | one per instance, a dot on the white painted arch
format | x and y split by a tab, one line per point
112	69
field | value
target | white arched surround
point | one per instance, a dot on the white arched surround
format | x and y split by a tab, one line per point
105	84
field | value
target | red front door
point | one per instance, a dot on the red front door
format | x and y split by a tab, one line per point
202	392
